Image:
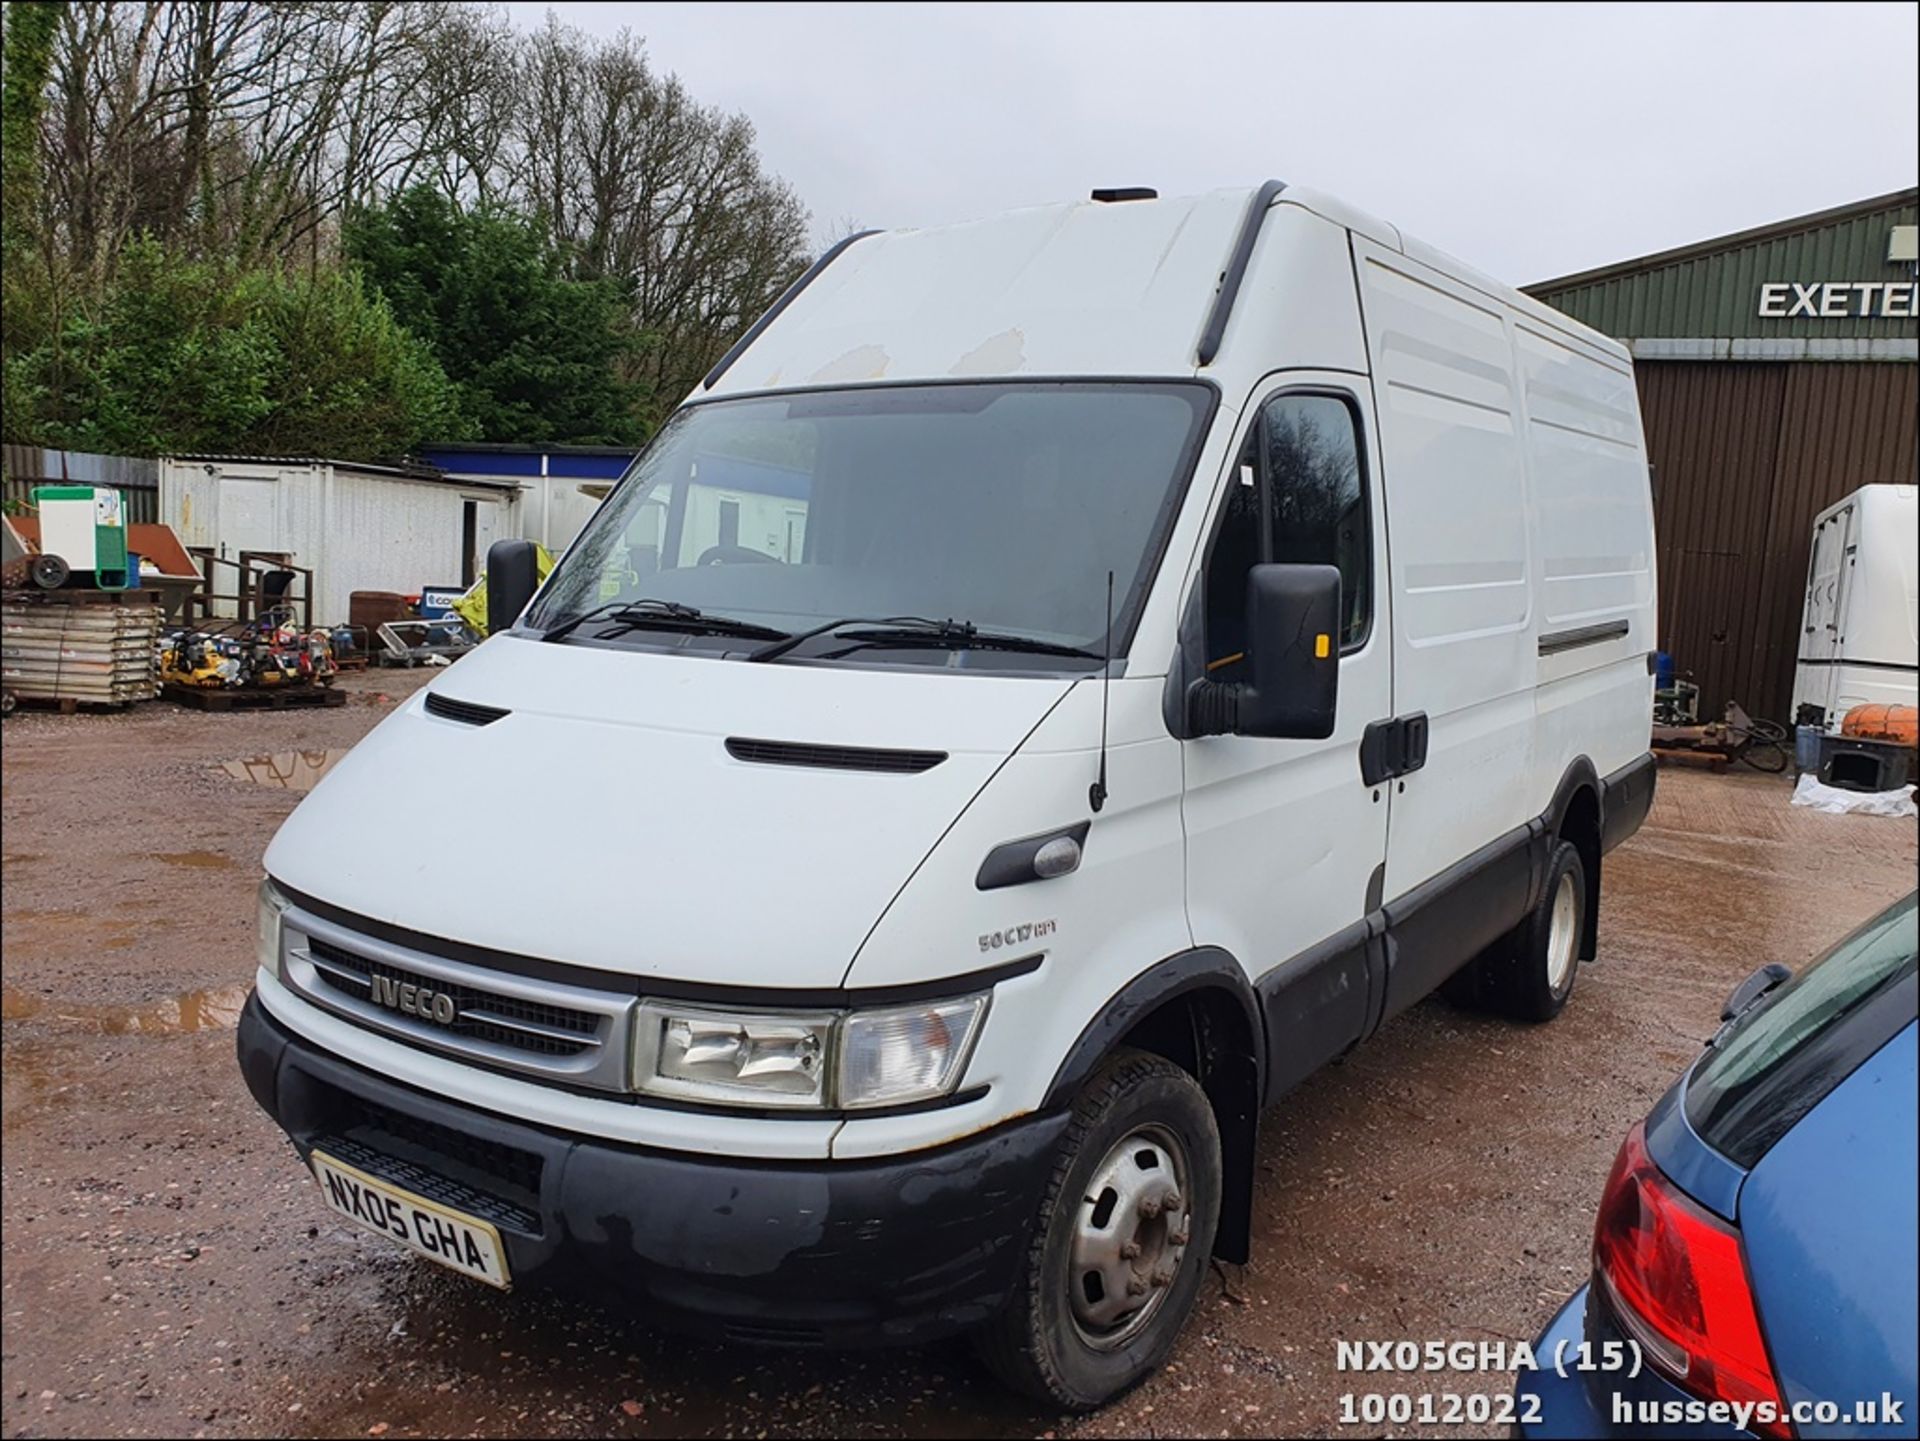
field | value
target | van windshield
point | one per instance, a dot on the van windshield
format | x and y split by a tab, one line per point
999	505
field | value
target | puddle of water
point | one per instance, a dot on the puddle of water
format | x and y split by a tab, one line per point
199	860
215	1009
286	770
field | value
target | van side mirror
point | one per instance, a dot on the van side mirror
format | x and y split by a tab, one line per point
513	575
1293	650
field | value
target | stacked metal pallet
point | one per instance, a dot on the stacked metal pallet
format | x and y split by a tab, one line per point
79	649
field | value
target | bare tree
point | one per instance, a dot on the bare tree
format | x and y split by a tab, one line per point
645	185
469	88
255	130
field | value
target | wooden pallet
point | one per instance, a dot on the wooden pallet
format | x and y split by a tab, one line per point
32	595
212	698
1688	755
66	705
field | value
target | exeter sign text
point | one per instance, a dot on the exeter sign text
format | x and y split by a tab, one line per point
1840	300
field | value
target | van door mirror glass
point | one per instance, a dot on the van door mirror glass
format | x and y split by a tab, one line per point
1293	642
513	574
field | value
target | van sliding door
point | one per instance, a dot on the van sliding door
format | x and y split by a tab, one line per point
1454	473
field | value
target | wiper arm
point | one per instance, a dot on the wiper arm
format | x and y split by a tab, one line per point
914	630
964	635
664	615
786	643
696	624
613	607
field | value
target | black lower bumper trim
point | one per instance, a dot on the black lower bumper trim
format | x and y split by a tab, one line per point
899	1250
1626	799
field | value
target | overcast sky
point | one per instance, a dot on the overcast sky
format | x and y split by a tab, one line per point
1530	141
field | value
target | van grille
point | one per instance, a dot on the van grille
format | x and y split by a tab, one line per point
496	1182
839	758
538	1029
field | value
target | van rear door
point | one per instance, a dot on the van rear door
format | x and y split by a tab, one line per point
1828	575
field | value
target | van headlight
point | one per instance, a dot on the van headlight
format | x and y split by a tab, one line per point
811	1060
272	911
733	1058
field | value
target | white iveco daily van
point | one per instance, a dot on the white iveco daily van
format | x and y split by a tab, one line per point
1057	682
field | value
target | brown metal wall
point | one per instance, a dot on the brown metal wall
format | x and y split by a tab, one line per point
1745	455
137	478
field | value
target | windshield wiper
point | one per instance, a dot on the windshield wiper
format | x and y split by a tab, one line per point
935	634
652	614
967	636
786	643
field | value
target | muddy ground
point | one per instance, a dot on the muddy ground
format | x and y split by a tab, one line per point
168	1269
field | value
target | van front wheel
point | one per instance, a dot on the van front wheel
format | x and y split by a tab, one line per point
1119	1248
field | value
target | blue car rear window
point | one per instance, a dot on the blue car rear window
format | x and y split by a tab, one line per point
1779	1060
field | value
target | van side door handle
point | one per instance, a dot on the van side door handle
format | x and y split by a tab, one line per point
1396	747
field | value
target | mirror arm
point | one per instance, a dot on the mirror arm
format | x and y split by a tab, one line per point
1213	707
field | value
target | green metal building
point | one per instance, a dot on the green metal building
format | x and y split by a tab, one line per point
1779	369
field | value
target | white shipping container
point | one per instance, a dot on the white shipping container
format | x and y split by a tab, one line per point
356	527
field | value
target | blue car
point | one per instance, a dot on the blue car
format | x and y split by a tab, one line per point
1754	1259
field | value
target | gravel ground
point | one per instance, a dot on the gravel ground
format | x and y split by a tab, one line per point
168	1269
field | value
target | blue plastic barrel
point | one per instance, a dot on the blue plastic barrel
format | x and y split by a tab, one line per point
1662	671
1806	748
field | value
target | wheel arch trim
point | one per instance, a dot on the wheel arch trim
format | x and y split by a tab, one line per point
1234	1084
1200	969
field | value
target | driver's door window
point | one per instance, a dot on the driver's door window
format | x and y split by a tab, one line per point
1297	495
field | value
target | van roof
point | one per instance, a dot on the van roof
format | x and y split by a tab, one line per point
1086	288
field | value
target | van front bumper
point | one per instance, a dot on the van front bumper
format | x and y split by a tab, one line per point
899	1250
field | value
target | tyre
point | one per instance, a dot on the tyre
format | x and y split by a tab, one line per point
49	572
1120	1245
1529	973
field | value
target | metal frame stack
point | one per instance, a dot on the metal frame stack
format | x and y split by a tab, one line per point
79	648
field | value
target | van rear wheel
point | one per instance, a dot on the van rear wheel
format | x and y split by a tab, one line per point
1119	1248
1528	974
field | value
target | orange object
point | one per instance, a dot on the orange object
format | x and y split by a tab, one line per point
1899	724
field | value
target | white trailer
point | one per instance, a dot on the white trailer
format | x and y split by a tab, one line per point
1860	630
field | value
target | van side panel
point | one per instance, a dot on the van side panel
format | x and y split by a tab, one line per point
1589	484
1454	474
1593	554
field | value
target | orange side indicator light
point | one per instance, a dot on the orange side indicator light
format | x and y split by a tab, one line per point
1322	646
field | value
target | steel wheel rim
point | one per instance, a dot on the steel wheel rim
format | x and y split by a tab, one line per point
1563	934
1130	1236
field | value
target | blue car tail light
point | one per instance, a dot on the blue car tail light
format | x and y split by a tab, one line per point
1672	1274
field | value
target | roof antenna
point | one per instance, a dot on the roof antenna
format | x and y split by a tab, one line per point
1097	792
